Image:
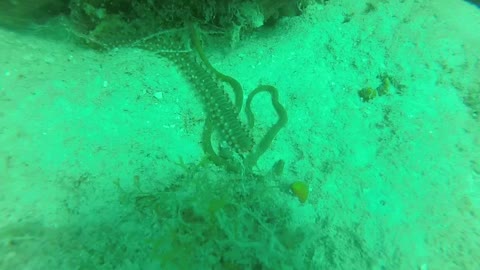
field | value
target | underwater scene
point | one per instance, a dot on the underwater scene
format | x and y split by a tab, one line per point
240	134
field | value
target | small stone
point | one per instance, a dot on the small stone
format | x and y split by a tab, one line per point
158	95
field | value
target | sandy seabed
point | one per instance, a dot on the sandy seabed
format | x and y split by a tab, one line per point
395	182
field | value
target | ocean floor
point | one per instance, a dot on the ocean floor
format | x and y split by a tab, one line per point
102	167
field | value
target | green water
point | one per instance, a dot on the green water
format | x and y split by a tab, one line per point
105	162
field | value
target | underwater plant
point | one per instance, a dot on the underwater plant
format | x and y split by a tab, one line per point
300	189
387	82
